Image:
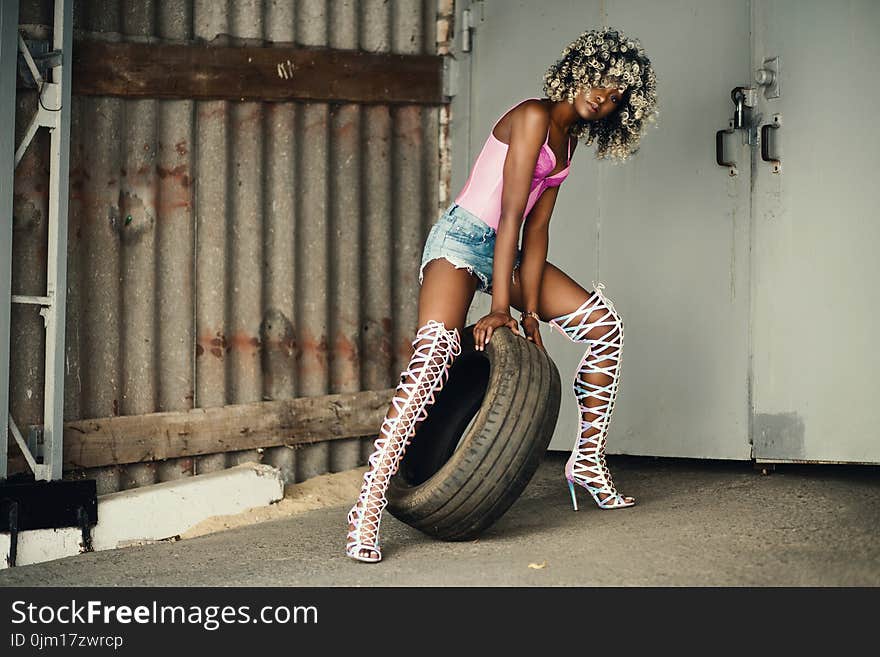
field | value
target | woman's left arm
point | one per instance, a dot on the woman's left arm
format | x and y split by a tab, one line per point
536	231
536	239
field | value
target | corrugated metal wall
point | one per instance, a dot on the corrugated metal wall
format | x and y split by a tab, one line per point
225	253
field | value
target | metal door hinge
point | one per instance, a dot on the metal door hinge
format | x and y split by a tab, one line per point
467	24
450	76
469	17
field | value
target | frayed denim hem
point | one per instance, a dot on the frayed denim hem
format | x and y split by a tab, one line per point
458	264
483	285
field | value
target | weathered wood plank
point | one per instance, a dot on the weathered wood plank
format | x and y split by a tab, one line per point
139	70
138	438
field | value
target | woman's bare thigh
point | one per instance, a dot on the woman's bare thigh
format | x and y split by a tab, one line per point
559	294
446	294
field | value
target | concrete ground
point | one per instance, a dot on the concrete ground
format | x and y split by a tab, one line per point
697	523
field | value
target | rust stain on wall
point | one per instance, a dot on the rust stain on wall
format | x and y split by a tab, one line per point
345	348
312	354
213	343
243	342
181	172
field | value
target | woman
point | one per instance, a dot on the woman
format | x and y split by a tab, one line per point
603	89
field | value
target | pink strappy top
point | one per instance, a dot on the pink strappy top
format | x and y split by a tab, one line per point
481	194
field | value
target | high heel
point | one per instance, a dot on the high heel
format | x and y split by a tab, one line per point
355	544
586	466
597	486
574	501
434	349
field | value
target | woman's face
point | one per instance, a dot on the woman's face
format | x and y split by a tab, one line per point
597	103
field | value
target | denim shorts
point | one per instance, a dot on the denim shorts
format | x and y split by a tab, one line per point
467	242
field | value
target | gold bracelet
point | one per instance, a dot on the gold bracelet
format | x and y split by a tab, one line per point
529	313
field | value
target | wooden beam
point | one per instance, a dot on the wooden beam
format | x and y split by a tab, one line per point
156	436
139	70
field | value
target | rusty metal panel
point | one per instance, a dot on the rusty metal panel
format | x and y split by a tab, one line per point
211	218
376	258
277	330
137	231
230	252
344	167
312	300
175	240
97	169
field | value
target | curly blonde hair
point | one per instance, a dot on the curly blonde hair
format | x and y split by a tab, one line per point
607	58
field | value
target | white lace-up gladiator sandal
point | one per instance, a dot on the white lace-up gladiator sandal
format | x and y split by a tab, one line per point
586	465
435	348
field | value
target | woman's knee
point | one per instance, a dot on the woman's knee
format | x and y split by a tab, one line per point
434	337
599	321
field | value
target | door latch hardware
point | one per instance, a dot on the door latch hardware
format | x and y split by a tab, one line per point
719	149
768	77
744	99
775	163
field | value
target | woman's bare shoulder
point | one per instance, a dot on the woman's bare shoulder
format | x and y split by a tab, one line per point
532	116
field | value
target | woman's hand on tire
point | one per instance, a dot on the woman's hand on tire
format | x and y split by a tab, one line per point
484	328
530	328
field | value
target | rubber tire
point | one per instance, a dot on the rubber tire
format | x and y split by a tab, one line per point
512	392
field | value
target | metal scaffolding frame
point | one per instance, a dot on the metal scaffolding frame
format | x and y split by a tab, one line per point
52	112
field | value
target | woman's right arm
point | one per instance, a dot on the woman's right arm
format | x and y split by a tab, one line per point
528	129
527	132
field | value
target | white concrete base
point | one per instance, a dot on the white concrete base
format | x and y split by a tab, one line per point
41	545
156	512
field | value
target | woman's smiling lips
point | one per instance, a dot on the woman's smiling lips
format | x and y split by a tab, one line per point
593	106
